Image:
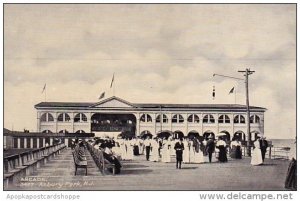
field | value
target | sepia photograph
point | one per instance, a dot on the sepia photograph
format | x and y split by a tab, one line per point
149	97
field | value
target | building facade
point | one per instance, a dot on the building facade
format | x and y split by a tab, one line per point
113	115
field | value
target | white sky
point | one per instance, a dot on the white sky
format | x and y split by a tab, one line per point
159	53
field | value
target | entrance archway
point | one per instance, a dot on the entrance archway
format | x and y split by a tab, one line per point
206	134
227	136
194	134
178	134
240	135
145	134
164	134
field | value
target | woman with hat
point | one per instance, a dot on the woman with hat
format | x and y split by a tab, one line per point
256	158
221	145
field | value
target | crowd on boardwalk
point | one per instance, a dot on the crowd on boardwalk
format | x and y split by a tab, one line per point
185	150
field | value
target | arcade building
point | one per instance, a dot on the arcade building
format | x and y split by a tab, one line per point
114	116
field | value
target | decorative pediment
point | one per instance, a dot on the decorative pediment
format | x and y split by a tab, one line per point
113	102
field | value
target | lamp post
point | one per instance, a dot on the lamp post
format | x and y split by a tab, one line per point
246	72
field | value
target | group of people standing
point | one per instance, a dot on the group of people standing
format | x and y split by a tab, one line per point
259	151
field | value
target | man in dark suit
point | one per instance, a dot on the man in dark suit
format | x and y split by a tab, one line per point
179	147
210	147
263	147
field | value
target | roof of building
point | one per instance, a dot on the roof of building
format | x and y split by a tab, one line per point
143	105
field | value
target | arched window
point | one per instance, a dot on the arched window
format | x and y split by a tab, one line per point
46	131
224	119
193	118
208	119
63	131
80	117
80	131
46	117
177	118
164	118
254	119
239	119
63	117
146	118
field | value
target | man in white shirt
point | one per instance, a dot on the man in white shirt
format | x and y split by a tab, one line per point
147	144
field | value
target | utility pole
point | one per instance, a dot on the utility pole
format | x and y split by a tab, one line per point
247	72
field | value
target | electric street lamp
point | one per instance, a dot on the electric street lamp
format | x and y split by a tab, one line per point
247	72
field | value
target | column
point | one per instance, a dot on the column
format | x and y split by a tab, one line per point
138	132
186	126
38	122
44	142
217	122
31	143
154	123
19	143
51	141
55	121
72	120
25	143
38	142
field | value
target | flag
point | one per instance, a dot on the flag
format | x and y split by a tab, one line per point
231	91
44	88
102	95
112	80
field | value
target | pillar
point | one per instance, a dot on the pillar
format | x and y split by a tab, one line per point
25	143
51	141
31	143
44	142
19	143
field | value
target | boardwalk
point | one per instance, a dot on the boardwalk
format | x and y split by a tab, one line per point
139	174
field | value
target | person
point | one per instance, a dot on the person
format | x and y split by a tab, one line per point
198	153
210	147
129	146
123	149
141	145
80	153
236	149
179	147
186	151
135	146
155	147
108	155
256	158
192	151
263	147
291	176
147	144
221	145
166	157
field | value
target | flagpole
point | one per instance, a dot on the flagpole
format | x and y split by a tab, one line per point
234	94
46	94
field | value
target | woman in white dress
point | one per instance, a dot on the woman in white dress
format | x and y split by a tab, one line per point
256	158
129	146
123	149
192	151
186	151
198	153
154	153
166	158
172	150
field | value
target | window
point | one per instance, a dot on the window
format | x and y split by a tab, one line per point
80	117
164	118
63	117
46	117
146	118
224	119
239	119
254	119
193	118
208	119
46	131
177	118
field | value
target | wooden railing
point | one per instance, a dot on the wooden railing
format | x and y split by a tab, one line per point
25	163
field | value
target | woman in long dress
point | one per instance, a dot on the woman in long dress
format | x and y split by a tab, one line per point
256	158
192	151
166	155
221	145
123	149
236	149
129	147
198	153
186	152
154	153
